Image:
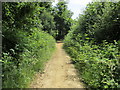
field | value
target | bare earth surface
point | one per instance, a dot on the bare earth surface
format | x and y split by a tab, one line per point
59	72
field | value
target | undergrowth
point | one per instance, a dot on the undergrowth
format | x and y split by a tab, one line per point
38	48
94	45
98	65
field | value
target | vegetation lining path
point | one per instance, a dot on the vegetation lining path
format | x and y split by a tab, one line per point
59	72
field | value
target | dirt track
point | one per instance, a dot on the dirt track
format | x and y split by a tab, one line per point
59	72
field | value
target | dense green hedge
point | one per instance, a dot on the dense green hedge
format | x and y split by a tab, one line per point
93	44
39	47
98	65
25	46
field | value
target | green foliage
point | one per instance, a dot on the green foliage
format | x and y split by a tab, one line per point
49	23
38	50
93	44
97	64
62	17
25	46
100	21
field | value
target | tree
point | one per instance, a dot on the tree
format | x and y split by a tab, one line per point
100	21
62	17
47	20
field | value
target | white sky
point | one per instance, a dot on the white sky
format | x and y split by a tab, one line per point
76	6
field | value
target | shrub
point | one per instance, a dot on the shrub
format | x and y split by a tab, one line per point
37	50
93	44
97	64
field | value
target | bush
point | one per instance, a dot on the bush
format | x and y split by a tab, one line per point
25	46
38	49
93	44
98	65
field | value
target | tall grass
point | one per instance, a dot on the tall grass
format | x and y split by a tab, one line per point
37	50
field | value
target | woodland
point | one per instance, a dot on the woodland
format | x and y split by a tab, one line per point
30	31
